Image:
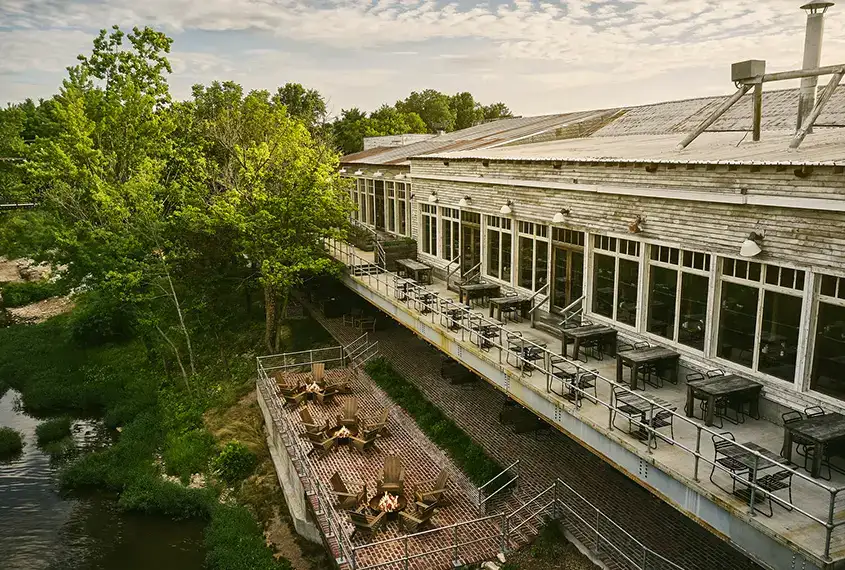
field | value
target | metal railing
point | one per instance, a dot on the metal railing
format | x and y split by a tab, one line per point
449	271
380	255
472	274
569	312
534	306
466	326
486	492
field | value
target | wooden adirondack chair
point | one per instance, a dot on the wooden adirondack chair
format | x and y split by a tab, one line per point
345	499
392	476
366	440
379	423
311	425
318	373
434	495
321	444
414	523
321	397
295	400
350	414
364	522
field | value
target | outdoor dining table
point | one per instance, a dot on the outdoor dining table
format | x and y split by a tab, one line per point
401	286
485	330
719	387
477	290
527	348
420	271
425	299
499	303
587	333
641	356
454	314
633	404
821	430
754	463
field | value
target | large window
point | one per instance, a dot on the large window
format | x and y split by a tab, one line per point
391	207
402	190
567	267
759	318
616	270
499	248
533	255
677	295
828	372
449	218
370	202
428	221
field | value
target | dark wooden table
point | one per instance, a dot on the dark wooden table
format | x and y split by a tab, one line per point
454	314
579	335
485	329
529	348
821	430
633	404
474	290
638	357
719	386
754	464
420	271
499	303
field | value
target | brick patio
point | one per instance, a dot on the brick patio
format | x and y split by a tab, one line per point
422	461
653	522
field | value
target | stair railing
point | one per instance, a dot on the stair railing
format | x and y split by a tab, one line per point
473	274
380	256
449	271
486	492
535	306
570	310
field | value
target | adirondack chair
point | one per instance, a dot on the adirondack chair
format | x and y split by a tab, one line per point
311	425
366	440
435	494
350	414
414	523
364	522
345	499
321	444
379	423
321	397
295	400
317	373
392	476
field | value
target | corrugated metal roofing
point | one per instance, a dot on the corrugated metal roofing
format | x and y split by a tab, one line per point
479	136
826	146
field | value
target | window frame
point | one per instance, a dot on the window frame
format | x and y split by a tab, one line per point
600	245
497	224
428	215
536	232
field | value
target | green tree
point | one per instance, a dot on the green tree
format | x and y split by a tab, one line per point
350	129
468	113
306	105
387	120
433	107
12	150
496	111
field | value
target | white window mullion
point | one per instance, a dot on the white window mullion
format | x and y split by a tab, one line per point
806	336
677	334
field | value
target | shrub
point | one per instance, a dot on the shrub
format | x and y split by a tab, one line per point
468	455
23	293
152	495
235	542
234	463
53	430
11	442
98	320
188	453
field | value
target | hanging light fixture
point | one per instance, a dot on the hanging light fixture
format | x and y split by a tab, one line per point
399	176
636	226
560	217
464	201
343	170
377	173
359	172
433	197
751	246
506	210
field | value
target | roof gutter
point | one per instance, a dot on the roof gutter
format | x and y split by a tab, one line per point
736	198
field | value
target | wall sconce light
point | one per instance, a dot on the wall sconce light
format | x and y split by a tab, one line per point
635	227
464	201
359	172
560	217
377	173
399	176
751	246
506	210
433	197
343	170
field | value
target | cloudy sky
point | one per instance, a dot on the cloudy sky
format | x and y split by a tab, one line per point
536	56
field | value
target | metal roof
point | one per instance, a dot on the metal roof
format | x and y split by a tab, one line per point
494	133
826	146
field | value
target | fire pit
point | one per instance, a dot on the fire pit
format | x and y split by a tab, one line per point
341	434
313	388
389	504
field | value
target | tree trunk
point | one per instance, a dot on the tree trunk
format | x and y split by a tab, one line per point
178	358
270	323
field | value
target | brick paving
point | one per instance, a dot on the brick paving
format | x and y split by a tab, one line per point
422	461
653	522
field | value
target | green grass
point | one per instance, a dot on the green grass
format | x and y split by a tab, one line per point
234	542
53	430
187	453
11	442
467	454
25	293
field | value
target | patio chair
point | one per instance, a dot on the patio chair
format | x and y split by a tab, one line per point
392	476
364	522
318	443
366	440
311	425
294	400
318	370
723	445
321	397
349	418
378	424
586	381
663	418
435	494
345	499
814	411
805	447
367	324
776	482
414	523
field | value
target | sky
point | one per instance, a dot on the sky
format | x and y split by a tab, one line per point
535	56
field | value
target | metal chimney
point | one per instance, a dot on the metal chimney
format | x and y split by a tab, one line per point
812	57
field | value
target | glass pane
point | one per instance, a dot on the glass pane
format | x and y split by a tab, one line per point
629	273
541	267
577	276
663	291
779	336
526	262
446	246
456	239
828	375
391	215
604	275
379	204
559	298
506	257
403	229
737	323
433	235
426	234
693	321
493	253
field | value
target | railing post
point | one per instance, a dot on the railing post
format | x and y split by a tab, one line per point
649	431
504	541
354	558
645	558
752	486
455	543
829	526
598	534
406	552
697	450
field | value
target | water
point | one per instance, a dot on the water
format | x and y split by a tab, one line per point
41	530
